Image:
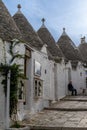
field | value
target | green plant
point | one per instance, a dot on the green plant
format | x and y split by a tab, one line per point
16	125
4	68
16	75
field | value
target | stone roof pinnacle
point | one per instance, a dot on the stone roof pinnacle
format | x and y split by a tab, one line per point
64	32
43	20
19	8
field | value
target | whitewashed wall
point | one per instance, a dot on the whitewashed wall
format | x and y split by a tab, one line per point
54	75
67	78
18	49
78	78
2	95
61	79
61	83
37	104
51	76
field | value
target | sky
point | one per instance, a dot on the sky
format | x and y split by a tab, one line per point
71	14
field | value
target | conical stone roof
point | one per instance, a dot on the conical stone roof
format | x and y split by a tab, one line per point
48	39
28	33
83	49
68	47
8	28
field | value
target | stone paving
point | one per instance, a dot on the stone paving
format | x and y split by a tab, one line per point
56	119
77	103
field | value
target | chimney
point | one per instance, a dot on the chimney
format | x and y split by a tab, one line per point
83	40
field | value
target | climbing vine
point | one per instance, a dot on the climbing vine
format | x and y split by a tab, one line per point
16	75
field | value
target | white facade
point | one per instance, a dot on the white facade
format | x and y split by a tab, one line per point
33	103
2	95
54	78
5	58
78	78
61	79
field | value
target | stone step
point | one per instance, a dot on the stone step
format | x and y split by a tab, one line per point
74	98
68	106
66	109
70	113
71	99
57	128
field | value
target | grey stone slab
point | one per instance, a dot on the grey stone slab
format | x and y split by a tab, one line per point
74	128
45	128
70	124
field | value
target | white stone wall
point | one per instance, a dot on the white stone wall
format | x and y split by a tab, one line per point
2	95
55	81
67	78
51	83
2	104
38	104
54	76
61	80
2	52
47	76
78	78
5	58
18	49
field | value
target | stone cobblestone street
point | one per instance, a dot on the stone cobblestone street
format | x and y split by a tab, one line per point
58	118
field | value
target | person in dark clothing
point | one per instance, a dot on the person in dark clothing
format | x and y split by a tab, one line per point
72	89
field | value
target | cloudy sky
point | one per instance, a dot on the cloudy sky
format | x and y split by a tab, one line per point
71	14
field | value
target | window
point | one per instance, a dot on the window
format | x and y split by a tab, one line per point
37	68
38	87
